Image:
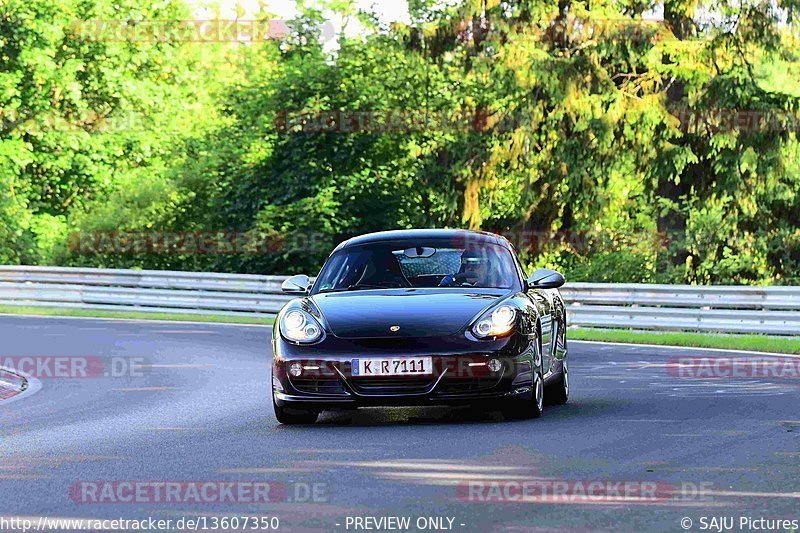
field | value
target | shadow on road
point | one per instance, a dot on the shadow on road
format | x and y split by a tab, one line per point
391	416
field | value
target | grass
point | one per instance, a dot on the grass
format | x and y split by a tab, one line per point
757	343
134	315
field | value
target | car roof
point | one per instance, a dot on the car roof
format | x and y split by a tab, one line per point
456	235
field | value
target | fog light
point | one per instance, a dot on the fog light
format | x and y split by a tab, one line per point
295	369
495	365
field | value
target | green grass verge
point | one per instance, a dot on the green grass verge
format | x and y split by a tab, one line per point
133	315
758	343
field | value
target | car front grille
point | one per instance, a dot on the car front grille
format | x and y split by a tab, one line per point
395	385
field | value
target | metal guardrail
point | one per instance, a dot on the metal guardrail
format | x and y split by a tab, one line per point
141	290
725	309
730	309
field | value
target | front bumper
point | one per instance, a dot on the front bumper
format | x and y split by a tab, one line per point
461	376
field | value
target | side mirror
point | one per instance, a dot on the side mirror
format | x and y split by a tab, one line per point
544	278
296	284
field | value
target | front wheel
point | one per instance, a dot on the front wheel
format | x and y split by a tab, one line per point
558	392
291	415
534	406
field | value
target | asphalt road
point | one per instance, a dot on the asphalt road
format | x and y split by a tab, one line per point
200	412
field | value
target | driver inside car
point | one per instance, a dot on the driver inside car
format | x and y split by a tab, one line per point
473	272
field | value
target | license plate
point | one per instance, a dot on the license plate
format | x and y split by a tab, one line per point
405	366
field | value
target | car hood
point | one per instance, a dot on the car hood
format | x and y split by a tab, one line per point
417	312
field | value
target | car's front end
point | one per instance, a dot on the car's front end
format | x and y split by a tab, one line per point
417	317
403	347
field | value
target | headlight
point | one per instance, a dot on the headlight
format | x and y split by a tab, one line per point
498	321
299	326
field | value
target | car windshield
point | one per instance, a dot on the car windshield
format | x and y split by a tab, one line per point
418	264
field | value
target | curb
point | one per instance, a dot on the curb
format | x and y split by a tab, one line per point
11	384
15	386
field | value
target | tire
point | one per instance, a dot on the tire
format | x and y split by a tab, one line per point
291	415
558	392
532	407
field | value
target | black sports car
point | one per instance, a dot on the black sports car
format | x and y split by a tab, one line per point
421	317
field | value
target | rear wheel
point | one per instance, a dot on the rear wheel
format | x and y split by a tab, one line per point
533	406
291	415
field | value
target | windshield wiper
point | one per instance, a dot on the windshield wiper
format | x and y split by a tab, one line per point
365	286
359	286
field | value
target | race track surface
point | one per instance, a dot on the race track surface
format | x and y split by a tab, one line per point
198	411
